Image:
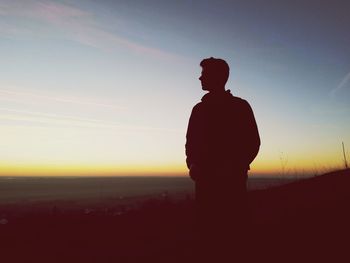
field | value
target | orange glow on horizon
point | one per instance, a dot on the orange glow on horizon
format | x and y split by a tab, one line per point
265	169
90	170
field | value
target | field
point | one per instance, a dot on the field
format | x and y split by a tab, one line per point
298	221
31	194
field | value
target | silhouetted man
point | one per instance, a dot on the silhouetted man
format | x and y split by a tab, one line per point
222	141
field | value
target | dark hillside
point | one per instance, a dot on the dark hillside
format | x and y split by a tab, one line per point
302	221
318	194
306	220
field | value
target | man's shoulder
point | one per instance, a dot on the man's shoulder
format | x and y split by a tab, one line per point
241	103
198	106
239	100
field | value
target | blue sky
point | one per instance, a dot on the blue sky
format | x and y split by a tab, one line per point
108	86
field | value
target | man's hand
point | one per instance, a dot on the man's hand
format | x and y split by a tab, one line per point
194	172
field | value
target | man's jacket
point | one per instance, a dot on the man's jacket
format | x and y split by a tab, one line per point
222	136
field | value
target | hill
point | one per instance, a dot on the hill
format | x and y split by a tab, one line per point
300	221
306	220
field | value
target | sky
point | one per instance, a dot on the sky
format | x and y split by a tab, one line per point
106	87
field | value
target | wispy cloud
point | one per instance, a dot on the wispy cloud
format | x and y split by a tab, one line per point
34	117
20	96
47	119
345	82
75	23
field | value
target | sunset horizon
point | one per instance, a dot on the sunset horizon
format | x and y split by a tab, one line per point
106	88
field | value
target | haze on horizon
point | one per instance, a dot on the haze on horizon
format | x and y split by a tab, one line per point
107	87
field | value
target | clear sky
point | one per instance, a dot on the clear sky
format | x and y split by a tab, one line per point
107	87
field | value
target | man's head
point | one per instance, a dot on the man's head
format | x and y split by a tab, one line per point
215	72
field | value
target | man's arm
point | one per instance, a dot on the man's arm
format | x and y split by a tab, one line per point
191	137
252	135
193	143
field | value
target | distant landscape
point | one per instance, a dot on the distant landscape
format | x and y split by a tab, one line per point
152	219
29	190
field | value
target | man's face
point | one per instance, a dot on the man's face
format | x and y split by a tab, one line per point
207	80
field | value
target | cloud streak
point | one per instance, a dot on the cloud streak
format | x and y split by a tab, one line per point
34	117
20	96
76	24
342	85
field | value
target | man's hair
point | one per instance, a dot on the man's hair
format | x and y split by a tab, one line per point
217	67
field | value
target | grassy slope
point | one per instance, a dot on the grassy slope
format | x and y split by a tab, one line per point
300	222
307	220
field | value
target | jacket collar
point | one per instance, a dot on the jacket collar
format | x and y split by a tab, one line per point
217	97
